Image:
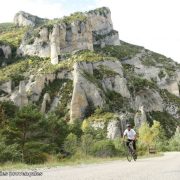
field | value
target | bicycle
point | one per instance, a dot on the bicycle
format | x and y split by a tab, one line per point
131	153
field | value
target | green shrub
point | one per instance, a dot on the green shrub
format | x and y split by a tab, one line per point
86	143
56	132
125	50
121	151
168	123
136	84
71	143
9	152
75	128
174	143
34	152
11	35
161	74
142	148
115	101
104	148
35	157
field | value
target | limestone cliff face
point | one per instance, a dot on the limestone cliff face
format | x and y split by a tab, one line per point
155	71
89	92
95	29
25	19
91	71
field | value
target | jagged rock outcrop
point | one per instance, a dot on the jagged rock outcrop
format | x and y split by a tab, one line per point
36	84
96	29
171	86
122	79
113	129
5	51
20	98
85	93
150	72
46	99
150	100
172	109
140	117
25	19
6	87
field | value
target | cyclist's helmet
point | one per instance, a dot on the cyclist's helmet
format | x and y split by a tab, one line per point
128	125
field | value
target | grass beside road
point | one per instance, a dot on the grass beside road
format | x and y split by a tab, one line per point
53	162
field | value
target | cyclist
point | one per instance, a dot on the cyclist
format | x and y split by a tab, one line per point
131	136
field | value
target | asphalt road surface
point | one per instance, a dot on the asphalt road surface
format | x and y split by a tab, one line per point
166	167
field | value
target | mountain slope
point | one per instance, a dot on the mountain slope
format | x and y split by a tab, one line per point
78	68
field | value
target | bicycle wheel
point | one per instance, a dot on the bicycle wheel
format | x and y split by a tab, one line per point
134	155
129	155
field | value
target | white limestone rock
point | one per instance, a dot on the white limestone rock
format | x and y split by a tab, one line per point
7	52
25	19
113	129
140	117
149	99
20	98
7	87
84	92
46	99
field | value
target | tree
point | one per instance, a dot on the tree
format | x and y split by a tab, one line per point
174	142
150	135
75	128
86	143
26	130
71	143
145	135
57	131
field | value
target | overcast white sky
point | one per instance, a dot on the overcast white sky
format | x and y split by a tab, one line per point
154	24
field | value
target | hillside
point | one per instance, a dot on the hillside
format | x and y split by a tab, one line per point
76	69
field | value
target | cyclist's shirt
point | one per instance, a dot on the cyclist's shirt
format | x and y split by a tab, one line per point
130	134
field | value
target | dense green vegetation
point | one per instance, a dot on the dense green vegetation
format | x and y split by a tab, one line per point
35	137
17	70
168	123
28	136
31	65
104	72
124	51
11	35
137	84
170	98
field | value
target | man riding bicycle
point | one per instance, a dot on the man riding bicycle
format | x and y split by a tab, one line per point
131	136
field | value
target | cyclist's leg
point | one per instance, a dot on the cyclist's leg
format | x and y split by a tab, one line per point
127	143
134	145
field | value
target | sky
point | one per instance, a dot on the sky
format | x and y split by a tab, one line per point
154	24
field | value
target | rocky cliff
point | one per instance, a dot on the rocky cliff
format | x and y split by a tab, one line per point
77	32
77	68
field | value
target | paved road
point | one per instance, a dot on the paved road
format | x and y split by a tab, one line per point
166	167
